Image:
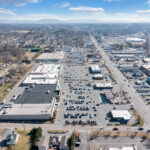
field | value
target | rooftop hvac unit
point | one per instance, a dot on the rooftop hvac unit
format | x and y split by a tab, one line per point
47	92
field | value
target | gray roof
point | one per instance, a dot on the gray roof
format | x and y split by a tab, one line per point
37	95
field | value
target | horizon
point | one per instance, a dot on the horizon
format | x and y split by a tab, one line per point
95	11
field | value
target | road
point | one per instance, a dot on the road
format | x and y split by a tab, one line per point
136	100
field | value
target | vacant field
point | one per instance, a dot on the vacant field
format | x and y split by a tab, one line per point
23	142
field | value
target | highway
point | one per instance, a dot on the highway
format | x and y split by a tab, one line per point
135	99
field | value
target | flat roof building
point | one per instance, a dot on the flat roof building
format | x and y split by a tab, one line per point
51	57
98	77
124	148
103	86
36	103
120	115
146	69
44	74
95	69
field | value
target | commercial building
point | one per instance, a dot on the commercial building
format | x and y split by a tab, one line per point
98	77
44	74
95	69
125	56
109	96
124	148
123	116
126	68
103	86
41	92
146	60
36	103
146	69
51	57
135	40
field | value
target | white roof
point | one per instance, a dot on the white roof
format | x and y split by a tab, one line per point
147	66
51	56
146	59
123	148
135	40
103	85
121	114
98	75
43	74
95	68
29	109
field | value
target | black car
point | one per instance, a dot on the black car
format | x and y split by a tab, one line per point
140	128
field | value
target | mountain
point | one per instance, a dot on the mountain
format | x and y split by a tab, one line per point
42	21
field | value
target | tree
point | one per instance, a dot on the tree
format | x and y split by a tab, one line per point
12	71
36	134
72	141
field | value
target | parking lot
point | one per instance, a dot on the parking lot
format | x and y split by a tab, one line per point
81	104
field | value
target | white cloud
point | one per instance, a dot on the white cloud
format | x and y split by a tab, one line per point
64	5
148	2
30	17
18	3
6	12
35	17
143	11
86	9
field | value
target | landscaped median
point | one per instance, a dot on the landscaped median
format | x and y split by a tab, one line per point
57	131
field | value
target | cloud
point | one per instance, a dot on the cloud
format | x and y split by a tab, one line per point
148	2
143	11
64	5
31	17
86	9
6	12
18	3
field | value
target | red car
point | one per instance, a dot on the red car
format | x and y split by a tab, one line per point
115	128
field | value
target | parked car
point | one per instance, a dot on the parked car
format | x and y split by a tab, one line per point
115	128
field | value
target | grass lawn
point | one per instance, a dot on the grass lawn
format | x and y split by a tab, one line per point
23	142
57	131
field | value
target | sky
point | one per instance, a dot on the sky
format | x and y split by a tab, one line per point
76	10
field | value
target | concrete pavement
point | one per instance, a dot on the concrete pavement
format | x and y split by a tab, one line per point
135	99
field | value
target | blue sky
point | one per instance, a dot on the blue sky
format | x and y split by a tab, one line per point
76	10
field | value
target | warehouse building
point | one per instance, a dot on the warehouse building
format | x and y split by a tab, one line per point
44	74
36	103
51	57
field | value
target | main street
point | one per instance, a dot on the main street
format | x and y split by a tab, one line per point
135	99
